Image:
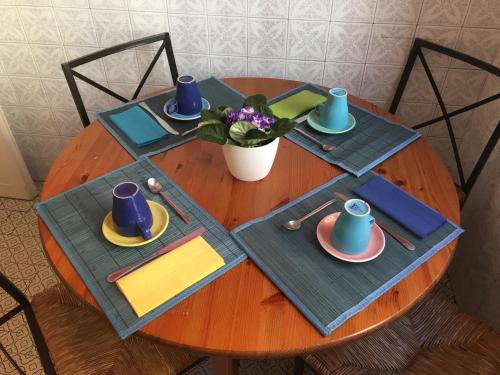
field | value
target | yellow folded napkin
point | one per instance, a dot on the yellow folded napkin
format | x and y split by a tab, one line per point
156	282
296	104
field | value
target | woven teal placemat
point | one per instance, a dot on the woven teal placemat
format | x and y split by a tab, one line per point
213	89
372	140
326	290
75	218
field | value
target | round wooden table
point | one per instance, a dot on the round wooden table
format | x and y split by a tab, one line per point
242	314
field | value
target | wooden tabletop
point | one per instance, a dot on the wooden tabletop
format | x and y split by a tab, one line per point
242	313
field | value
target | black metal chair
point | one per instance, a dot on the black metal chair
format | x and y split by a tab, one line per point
23	305
70	73
416	51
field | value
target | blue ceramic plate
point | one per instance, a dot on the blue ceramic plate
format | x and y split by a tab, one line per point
313	121
177	116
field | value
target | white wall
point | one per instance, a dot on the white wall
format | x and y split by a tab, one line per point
15	180
475	271
359	44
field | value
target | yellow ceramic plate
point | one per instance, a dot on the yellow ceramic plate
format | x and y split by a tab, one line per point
160	223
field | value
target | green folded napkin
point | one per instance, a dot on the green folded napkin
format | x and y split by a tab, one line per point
296	104
138	126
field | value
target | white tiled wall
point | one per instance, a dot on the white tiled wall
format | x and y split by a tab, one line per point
476	268
358	44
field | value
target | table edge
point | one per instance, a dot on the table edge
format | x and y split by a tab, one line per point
286	352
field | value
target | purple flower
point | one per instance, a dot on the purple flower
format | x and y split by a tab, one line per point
232	117
259	120
247	110
262	122
269	120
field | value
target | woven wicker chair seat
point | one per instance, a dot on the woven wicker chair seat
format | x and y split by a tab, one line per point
434	338
82	342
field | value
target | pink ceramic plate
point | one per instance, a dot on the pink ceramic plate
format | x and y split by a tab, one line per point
374	249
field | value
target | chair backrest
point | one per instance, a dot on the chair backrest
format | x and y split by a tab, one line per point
416	51
70	73
23	305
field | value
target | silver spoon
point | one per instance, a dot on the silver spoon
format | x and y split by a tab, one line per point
155	187
296	224
324	146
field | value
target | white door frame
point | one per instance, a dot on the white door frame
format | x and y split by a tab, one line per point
15	179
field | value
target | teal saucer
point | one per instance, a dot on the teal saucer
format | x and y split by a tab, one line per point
313	121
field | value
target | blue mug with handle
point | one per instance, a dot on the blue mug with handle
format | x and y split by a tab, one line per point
131	213
187	98
352	229
334	114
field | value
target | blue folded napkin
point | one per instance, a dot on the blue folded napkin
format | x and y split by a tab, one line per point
400	206
138	126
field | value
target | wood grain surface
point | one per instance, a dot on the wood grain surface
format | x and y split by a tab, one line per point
242	314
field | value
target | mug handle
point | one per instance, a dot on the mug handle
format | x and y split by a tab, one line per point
371	220
318	108
145	231
172	107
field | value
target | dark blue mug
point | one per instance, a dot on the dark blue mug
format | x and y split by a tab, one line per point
131	213
187	98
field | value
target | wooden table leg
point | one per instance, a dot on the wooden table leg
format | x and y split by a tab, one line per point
225	366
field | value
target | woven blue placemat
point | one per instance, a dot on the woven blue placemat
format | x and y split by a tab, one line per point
373	139
217	92
326	290
75	218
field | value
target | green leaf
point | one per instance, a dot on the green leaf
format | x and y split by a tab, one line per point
209	121
225	109
238	130
256	134
215	114
258	102
252	142
213	131
281	127
267	111
207	115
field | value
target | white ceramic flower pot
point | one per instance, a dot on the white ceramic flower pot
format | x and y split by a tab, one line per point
250	164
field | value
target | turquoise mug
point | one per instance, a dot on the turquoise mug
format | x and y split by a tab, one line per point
352	229
187	97
334	114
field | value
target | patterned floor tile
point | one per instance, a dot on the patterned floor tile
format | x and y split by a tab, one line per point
25	223
4	216
7	227
22	260
16	204
7	303
16	338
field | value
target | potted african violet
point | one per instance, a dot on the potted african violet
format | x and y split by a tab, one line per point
249	136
